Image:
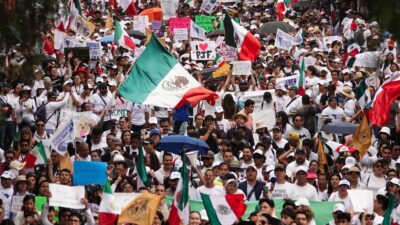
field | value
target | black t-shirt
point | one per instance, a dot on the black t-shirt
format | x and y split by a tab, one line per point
211	141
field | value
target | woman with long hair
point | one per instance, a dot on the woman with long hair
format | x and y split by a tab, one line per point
126	138
282	121
229	106
333	185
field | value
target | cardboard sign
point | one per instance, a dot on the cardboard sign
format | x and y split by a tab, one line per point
16	204
94	52
309	61
86	173
203	50
283	40
82	53
140	23
40	201
206	22
181	34
118	113
67	196
208	6
169	8
241	68
179	22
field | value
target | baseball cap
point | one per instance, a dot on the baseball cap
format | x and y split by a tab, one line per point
258	152
209	154
301	168
280	87
276	128
231	181
395	181
311	175
219	109
339	207
293	88
344	182
302	201
7	174
154	132
69	81
208	118
112	83
251	167
175	175
354	169
51	94
153	120
298	149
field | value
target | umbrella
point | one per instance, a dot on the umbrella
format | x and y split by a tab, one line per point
218	32
272	27
177	144
152	13
339	128
136	34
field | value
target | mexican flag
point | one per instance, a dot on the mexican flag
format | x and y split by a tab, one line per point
301	81
158	79
122	38
40	154
128	6
248	46
387	93
224	209
223	67
289	3
362	94
180	204
142	178
106	214
280	10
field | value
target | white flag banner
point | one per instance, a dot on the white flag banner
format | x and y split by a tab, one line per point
197	32
63	135
140	23
169	8
298	38
67	196
367	59
283	40
241	68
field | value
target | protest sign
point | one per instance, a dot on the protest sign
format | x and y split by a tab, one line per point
260	115
169	8
82	53
283	40
361	200
228	53
206	22
39	202
288	81
71	42
367	60
81	122
59	39
331	39
241	68
309	61
156	27
65	115
298	38
197	32
67	196
79	25
208	5
179	22
180	34
94	52
86	173
16	204
63	135
140	23
202	50
120	200
256	96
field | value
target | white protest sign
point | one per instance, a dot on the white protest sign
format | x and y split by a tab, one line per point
241	68
59	39
120	200
16	204
67	196
228	53
298	38
71	42
140	23
94	52
118	113
63	135
288	81
367	60
65	115
331	39
256	96
309	61
78	24
267	116
208	5
361	200
81	121
169	8
181	34
203	50
283	40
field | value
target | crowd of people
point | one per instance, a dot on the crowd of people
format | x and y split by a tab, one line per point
247	156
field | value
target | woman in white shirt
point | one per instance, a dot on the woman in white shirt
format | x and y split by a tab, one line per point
27	106
349	106
377	179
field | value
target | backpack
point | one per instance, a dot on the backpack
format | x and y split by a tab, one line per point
41	113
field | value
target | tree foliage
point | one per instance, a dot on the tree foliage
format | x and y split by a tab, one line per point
386	13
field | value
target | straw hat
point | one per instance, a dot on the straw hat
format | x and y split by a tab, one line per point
260	125
346	91
241	114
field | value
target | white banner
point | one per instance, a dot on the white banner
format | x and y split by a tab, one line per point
208	5
288	81
16	204
309	61
367	59
63	135
298	38
203	50
78	24
169	8
120	200
362	200
241	68
94	52
140	23
66	196
180	34
283	40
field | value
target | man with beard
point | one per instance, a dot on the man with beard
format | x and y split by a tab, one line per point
299	161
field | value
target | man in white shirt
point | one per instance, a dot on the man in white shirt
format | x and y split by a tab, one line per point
6	192
294	103
101	104
303	188
333	112
166	167
52	107
209	187
299	161
83	153
280	98
223	124
282	188
138	115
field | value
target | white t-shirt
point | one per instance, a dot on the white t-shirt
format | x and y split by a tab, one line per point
374	183
308	191
285	190
216	190
347	201
335	115
137	113
224	125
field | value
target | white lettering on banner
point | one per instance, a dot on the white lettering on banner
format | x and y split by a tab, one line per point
288	81
202	50
208	5
169	8
67	196
283	40
241	68
181	34
367	59
118	113
16	204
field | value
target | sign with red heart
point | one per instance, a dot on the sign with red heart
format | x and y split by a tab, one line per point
203	50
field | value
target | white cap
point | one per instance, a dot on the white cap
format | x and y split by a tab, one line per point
252	166
7	174
343	148
346	71
280	86
69	81
219	109
153	120
385	130
253	26
112	83
344	182
258	151
351	161
187	66
337	60
26	88
118	158
103	75
395	181
339	207
126	54
302	201
301	168
174	175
